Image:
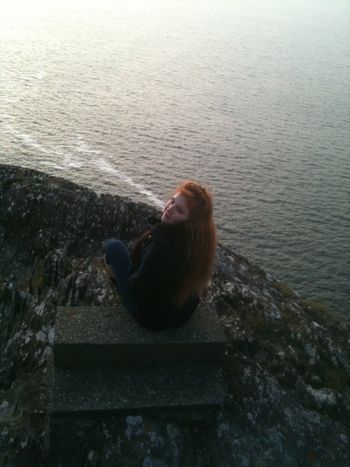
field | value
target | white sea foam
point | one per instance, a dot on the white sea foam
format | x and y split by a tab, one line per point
84	148
40	74
105	166
262	161
51	165
24	138
69	160
5	116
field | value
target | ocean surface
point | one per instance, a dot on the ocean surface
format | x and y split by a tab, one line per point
250	97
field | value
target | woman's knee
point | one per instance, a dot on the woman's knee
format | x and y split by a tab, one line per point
115	248
112	244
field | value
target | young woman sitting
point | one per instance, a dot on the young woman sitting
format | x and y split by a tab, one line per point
161	282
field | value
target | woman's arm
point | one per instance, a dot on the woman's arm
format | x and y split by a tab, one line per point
158	268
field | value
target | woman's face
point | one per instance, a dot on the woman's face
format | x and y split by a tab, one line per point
175	210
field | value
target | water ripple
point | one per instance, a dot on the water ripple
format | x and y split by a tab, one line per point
133	101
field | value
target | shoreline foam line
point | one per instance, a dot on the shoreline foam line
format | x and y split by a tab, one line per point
68	160
103	164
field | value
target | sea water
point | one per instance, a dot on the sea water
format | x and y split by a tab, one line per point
252	98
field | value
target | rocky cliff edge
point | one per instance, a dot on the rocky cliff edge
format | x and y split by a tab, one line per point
287	360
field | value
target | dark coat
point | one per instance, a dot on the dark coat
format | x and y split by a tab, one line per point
157	268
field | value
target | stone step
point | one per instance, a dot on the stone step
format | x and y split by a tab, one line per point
99	336
137	390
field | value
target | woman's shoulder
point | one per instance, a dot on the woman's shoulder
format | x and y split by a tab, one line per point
168	237
169	231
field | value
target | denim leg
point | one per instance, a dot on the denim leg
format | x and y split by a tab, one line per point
117	256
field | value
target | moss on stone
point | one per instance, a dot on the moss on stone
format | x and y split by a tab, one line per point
322	311
37	278
333	379
256	322
317	306
290	317
284	289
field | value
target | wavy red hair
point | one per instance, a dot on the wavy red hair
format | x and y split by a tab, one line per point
201	240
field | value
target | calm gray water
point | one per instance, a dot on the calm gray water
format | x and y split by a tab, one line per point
250	97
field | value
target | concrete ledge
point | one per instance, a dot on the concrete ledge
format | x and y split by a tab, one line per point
110	337
177	387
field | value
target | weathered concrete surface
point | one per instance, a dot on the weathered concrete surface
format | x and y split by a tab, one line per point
106	363
155	389
287	361
110	337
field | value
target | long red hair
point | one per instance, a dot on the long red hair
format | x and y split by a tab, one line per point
201	235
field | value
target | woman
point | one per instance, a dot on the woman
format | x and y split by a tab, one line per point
171	264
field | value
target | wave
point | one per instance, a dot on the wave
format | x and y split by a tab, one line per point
70	159
104	165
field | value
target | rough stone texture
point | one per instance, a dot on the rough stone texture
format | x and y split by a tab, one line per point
287	362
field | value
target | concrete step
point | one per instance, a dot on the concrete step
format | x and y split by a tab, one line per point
166	388
98	337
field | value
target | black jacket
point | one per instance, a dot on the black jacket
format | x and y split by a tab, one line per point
154	277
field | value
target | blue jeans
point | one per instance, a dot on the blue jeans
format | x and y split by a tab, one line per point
117	257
